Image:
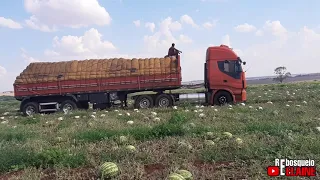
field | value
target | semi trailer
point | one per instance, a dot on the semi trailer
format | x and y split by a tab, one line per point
70	85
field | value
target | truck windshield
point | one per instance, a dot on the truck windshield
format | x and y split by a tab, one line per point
230	66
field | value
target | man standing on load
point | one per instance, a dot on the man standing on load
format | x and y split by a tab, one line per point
173	51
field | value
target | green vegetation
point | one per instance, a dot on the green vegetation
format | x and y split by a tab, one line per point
278	121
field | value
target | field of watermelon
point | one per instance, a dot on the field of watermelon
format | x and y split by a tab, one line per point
229	142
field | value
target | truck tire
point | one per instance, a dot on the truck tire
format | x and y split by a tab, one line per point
143	102
30	108
68	105
222	98
164	101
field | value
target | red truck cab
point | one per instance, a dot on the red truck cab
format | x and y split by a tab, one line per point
224	77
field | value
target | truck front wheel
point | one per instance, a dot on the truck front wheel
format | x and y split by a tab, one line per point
164	101
30	108
143	102
222	98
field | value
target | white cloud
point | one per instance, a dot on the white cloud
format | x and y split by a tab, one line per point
209	25
163	38
7	78
259	33
226	40
188	20
245	28
157	45
310	42
137	23
150	26
275	27
185	39
48	52
9	23
89	45
34	23
298	52
49	14
28	59
175	26
239	52
3	71
190	63
309	35
192	55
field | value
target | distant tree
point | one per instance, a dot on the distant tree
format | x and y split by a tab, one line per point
281	73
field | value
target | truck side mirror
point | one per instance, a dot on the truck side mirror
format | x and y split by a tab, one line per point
244	63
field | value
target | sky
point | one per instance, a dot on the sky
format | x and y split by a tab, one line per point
265	34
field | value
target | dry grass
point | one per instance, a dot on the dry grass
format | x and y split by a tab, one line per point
46	147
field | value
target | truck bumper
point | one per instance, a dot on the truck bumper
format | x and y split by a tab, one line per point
244	95
241	97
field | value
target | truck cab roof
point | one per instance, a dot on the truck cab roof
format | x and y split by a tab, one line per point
221	52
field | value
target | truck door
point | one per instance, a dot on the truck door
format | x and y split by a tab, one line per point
229	74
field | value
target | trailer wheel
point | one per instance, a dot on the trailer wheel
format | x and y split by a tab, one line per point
143	102
68	105
164	101
222	98
30	108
